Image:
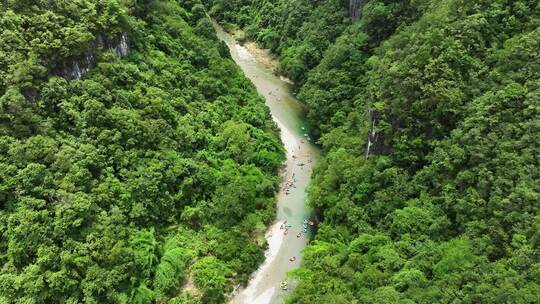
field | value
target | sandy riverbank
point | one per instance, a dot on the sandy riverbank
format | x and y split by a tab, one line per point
262	56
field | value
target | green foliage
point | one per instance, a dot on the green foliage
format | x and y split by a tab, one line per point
155	169
142	295
112	185
444	208
211	278
185	299
298	31
171	270
144	246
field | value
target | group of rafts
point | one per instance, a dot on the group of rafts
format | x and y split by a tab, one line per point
289	184
285	227
305	134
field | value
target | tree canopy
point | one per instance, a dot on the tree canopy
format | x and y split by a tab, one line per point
427	112
126	185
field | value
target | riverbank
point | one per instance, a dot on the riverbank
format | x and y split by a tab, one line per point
262	56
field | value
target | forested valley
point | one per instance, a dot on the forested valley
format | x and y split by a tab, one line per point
139	165
428	114
134	155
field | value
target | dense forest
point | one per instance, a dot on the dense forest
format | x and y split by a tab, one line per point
137	163
429	116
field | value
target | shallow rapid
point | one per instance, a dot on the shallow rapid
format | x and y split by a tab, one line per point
264	286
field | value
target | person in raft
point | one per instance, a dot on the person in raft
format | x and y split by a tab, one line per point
292	259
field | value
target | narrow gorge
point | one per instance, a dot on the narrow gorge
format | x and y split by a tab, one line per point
269	151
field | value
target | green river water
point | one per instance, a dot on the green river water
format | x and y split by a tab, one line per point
264	286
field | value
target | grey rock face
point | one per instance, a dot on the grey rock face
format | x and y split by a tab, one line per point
75	68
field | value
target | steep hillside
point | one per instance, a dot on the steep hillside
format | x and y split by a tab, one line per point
428	115
154	162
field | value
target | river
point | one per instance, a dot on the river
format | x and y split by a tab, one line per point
264	286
